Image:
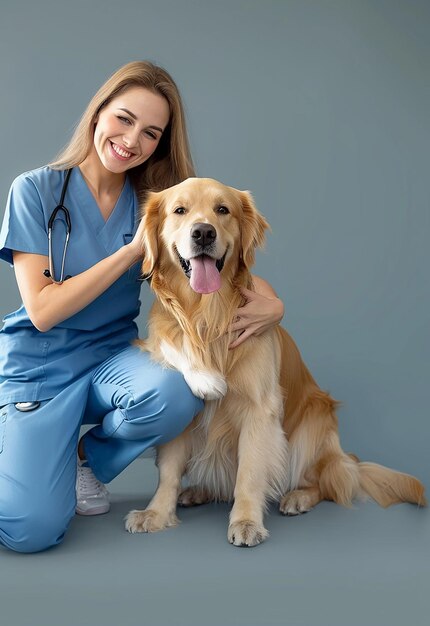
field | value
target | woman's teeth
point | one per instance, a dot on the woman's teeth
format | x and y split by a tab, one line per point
122	153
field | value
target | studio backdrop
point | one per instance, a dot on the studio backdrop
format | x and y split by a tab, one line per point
321	110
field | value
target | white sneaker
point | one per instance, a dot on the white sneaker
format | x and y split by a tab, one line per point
92	497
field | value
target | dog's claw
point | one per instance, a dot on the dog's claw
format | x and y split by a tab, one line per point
295	503
148	521
246	533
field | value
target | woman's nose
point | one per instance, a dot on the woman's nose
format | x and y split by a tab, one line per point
130	138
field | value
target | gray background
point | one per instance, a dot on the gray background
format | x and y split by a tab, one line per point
321	109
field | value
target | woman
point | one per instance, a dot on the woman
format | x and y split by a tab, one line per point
65	355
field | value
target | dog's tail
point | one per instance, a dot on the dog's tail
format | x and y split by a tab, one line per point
387	486
341	477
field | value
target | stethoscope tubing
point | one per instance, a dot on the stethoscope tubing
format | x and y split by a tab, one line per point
50	256
50	273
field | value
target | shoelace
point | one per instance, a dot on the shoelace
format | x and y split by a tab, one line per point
87	482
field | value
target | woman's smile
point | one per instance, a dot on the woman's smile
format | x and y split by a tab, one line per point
119	152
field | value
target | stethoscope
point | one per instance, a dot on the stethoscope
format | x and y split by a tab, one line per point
50	273
31	406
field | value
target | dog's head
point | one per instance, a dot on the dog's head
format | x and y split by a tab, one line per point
204	229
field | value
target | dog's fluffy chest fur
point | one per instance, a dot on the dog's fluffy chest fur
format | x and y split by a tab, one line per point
213	461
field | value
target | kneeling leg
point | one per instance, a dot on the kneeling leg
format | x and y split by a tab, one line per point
144	405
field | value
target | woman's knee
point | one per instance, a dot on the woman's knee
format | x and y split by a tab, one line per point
33	531
170	409
180	406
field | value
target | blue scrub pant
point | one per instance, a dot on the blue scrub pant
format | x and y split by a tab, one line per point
135	404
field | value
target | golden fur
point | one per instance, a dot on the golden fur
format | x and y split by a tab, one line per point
267	431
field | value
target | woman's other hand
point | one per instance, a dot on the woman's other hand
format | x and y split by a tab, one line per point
262	310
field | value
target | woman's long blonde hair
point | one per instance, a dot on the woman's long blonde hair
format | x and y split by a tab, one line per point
171	162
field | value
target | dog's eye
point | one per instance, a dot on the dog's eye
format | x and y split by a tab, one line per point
223	209
180	210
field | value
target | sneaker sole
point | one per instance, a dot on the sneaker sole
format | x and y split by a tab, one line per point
96	511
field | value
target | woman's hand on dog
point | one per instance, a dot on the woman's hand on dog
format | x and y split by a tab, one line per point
136	245
262	310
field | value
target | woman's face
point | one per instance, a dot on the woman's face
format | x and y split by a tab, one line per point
129	128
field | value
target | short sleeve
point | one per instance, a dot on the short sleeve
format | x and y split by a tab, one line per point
23	227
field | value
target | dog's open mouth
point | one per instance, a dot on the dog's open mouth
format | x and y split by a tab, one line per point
203	272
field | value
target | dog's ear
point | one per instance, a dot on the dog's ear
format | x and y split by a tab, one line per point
253	227
151	212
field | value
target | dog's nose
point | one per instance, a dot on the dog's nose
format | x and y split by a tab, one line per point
203	234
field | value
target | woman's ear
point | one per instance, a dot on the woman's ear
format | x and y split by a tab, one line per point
253	229
151	220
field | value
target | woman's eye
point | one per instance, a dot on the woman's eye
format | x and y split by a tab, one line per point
124	119
150	134
223	209
180	210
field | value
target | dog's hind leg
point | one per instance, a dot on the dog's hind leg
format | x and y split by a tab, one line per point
333	477
194	495
300	500
318	467
322	483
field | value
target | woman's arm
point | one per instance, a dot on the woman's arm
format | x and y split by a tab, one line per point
261	310
48	304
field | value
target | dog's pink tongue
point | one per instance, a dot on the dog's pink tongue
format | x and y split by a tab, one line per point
205	277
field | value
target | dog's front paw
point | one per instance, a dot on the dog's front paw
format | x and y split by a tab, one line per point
148	521
206	385
246	533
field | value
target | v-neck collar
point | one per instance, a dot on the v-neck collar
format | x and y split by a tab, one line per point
106	231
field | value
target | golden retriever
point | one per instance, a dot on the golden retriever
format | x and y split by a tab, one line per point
267	431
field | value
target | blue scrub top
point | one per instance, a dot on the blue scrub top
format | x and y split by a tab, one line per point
35	365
